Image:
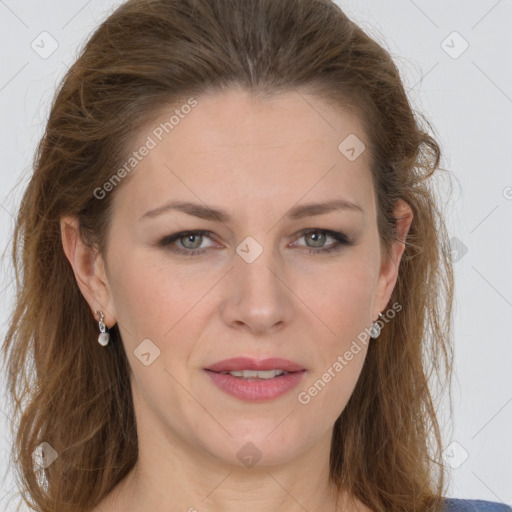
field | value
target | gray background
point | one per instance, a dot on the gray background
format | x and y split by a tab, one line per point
465	92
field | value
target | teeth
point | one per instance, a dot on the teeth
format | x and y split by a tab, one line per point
248	374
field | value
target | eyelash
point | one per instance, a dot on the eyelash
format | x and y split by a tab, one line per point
340	238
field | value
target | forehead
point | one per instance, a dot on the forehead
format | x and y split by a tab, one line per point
235	148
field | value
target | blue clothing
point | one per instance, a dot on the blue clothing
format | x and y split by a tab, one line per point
461	505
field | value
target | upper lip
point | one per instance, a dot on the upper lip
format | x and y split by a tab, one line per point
247	363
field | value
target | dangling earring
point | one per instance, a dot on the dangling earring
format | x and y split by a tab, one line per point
38	460
104	336
376	328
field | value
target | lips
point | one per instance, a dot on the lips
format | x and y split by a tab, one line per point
255	389
247	363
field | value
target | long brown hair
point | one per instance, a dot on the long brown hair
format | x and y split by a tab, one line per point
386	447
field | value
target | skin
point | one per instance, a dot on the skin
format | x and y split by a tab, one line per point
255	159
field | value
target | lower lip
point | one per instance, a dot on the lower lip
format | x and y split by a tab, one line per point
256	390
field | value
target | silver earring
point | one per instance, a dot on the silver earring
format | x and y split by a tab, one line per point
104	336
375	329
38	460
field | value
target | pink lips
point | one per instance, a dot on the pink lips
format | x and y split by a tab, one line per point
255	390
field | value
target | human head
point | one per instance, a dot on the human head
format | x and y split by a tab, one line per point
89	134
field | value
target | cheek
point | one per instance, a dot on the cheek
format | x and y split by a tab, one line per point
342	346
166	305
153	308
151	299
342	297
342	303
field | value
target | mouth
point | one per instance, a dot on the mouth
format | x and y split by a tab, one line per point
255	381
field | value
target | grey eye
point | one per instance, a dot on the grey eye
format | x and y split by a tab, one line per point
318	238
192	240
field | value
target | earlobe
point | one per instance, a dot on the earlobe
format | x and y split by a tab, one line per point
88	268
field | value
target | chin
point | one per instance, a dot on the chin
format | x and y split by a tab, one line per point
266	447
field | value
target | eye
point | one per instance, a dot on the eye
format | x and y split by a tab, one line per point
319	236
190	240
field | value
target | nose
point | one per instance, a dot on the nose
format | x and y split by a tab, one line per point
258	298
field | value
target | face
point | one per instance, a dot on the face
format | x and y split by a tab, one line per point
265	278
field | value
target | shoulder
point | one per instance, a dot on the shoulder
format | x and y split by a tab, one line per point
461	505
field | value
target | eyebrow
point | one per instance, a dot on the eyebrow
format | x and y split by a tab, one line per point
216	214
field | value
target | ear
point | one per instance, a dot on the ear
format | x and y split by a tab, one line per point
89	269
388	275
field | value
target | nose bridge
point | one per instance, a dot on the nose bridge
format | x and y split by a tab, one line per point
256	260
256	273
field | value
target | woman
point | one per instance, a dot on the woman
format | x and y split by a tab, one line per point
233	264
